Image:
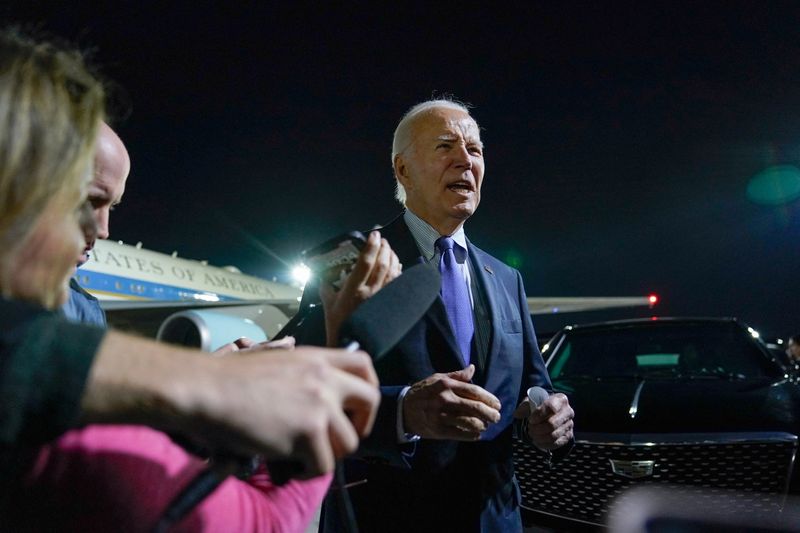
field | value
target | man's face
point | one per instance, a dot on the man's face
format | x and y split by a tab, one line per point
111	167
442	169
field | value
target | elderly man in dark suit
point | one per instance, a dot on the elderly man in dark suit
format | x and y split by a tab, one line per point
440	456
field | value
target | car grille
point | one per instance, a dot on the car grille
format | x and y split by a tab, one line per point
583	486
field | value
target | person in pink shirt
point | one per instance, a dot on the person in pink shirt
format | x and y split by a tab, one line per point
122	478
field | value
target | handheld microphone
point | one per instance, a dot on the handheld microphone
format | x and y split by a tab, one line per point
537	396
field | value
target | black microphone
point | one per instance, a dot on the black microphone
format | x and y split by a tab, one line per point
377	325
380	322
204	484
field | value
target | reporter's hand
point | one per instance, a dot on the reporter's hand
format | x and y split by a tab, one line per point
309	405
550	425
447	406
244	344
284	343
376	266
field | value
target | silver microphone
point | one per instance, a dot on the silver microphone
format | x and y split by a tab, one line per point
537	396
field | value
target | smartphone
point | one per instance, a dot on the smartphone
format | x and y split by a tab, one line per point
333	259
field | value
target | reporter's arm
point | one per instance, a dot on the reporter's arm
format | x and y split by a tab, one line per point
281	404
137	381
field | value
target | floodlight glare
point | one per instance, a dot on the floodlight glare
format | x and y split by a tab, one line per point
301	273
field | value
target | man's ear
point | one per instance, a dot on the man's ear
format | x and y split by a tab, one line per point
401	171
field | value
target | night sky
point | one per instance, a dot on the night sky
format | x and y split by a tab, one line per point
620	140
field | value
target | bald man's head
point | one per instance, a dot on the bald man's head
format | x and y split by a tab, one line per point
111	167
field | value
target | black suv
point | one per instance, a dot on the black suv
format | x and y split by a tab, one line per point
699	404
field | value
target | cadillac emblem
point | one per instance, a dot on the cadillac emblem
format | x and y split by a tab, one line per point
632	469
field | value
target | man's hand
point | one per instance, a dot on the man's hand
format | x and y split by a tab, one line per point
310	404
244	344
550	425
447	406
376	266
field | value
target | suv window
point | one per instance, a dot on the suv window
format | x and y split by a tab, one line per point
688	350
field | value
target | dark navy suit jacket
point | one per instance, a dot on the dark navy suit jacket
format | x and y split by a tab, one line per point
441	485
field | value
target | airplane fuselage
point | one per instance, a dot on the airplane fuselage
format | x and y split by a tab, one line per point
118	271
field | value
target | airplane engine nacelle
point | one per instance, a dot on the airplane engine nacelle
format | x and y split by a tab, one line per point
207	330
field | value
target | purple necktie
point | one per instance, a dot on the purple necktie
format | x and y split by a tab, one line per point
455	294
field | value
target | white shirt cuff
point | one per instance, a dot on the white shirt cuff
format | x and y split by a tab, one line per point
402	436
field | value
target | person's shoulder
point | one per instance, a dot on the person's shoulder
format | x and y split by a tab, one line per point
75	288
83	307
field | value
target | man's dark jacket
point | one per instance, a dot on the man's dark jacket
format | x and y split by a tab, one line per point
441	485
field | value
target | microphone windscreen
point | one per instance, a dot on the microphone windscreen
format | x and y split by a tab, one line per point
537	396
381	321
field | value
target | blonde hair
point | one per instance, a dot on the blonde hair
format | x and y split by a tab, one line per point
51	107
402	134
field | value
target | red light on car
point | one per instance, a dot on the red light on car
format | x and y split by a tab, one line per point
653	299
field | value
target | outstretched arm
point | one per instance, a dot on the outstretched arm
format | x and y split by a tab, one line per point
309	404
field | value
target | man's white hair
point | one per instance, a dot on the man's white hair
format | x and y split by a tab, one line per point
402	134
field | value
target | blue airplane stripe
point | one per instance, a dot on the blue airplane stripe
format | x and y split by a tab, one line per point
147	290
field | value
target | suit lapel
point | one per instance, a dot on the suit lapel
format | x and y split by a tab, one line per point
483	330
487	284
402	242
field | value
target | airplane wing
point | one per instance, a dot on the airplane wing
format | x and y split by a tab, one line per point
547	306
